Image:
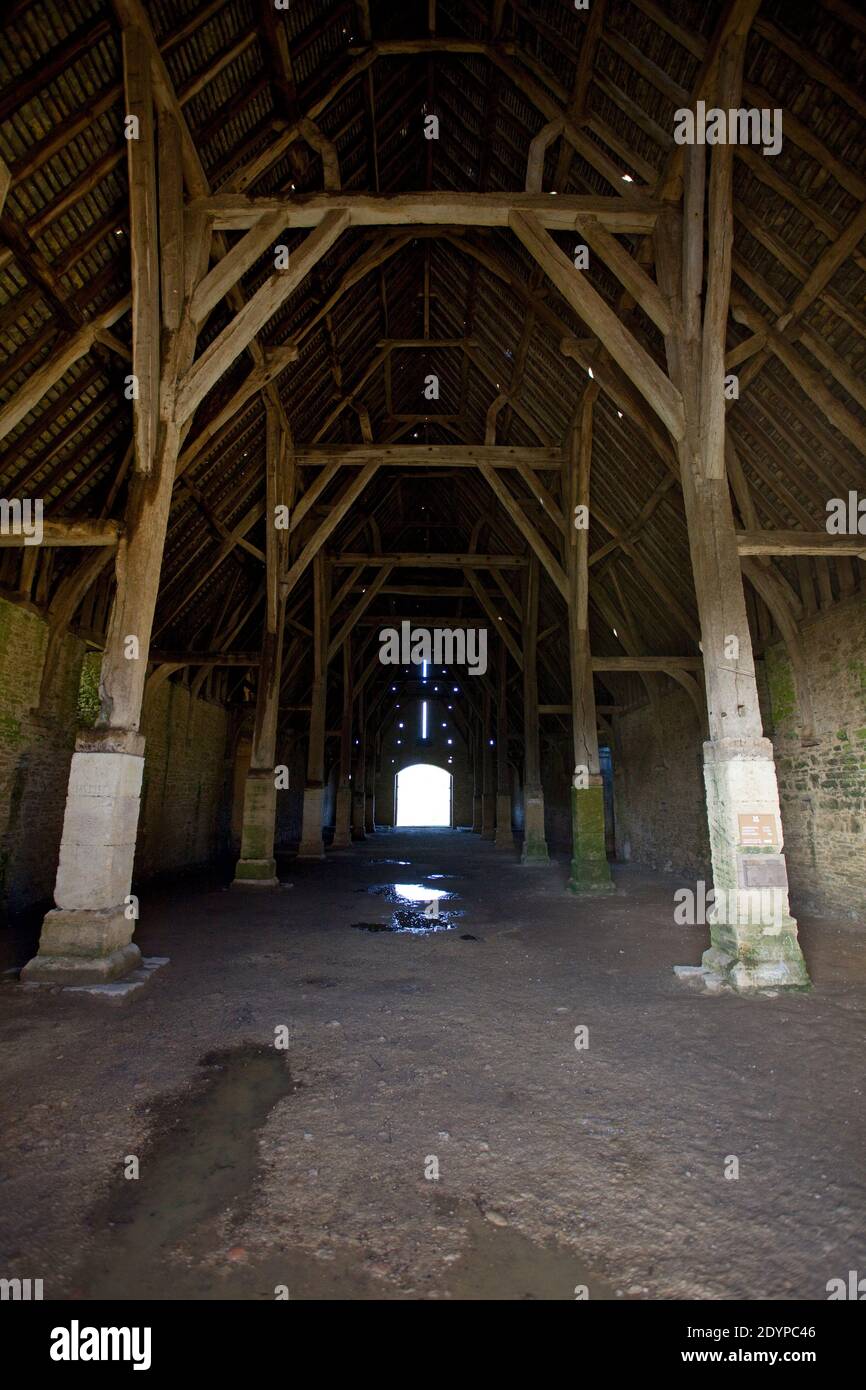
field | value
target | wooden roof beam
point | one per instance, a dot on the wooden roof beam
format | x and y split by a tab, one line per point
806	376
800	543
250	319
31	393
647	663
653	383
407	559
631	212
65	531
428	455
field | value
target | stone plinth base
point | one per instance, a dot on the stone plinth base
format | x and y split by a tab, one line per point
753	937
590	871
87	937
342	827
504	836
260	808
115	991
312	845
81	947
757	968
534	844
256	873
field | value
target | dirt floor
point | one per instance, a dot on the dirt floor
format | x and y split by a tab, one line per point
308	1172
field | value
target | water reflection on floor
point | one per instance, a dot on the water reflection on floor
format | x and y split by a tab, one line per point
417	910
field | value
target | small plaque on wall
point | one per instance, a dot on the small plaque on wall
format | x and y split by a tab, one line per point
758	830
762	871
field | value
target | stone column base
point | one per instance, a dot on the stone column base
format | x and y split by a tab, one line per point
758	968
476	814
256	873
312	846
87	938
590	876
504	836
590	871
342	832
370	815
753	937
260	806
83	947
534	844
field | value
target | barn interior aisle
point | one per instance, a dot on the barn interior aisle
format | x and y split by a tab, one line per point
432	652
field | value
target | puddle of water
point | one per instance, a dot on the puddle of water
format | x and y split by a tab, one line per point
156	1236
407	922
409	916
418	893
203	1160
502	1264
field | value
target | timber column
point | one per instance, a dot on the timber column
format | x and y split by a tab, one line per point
312	845
87	937
488	790
359	763
257	865
504	837
477	776
343	822
590	871
753	937
534	843
373	750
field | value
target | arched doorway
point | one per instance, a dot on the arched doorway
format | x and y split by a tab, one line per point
423	796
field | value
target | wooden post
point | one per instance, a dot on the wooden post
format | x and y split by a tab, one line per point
488	789
373	747
312	846
534	843
590	872
753	938
342	830
477	776
87	938
257	865
504	837
359	765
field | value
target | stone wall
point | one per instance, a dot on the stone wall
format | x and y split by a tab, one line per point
186	782
660	808
35	753
822	781
184	813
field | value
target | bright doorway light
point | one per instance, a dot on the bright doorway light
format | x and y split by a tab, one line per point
423	795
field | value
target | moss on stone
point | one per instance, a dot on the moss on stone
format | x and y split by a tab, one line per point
858	671
10	730
780	683
87	708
